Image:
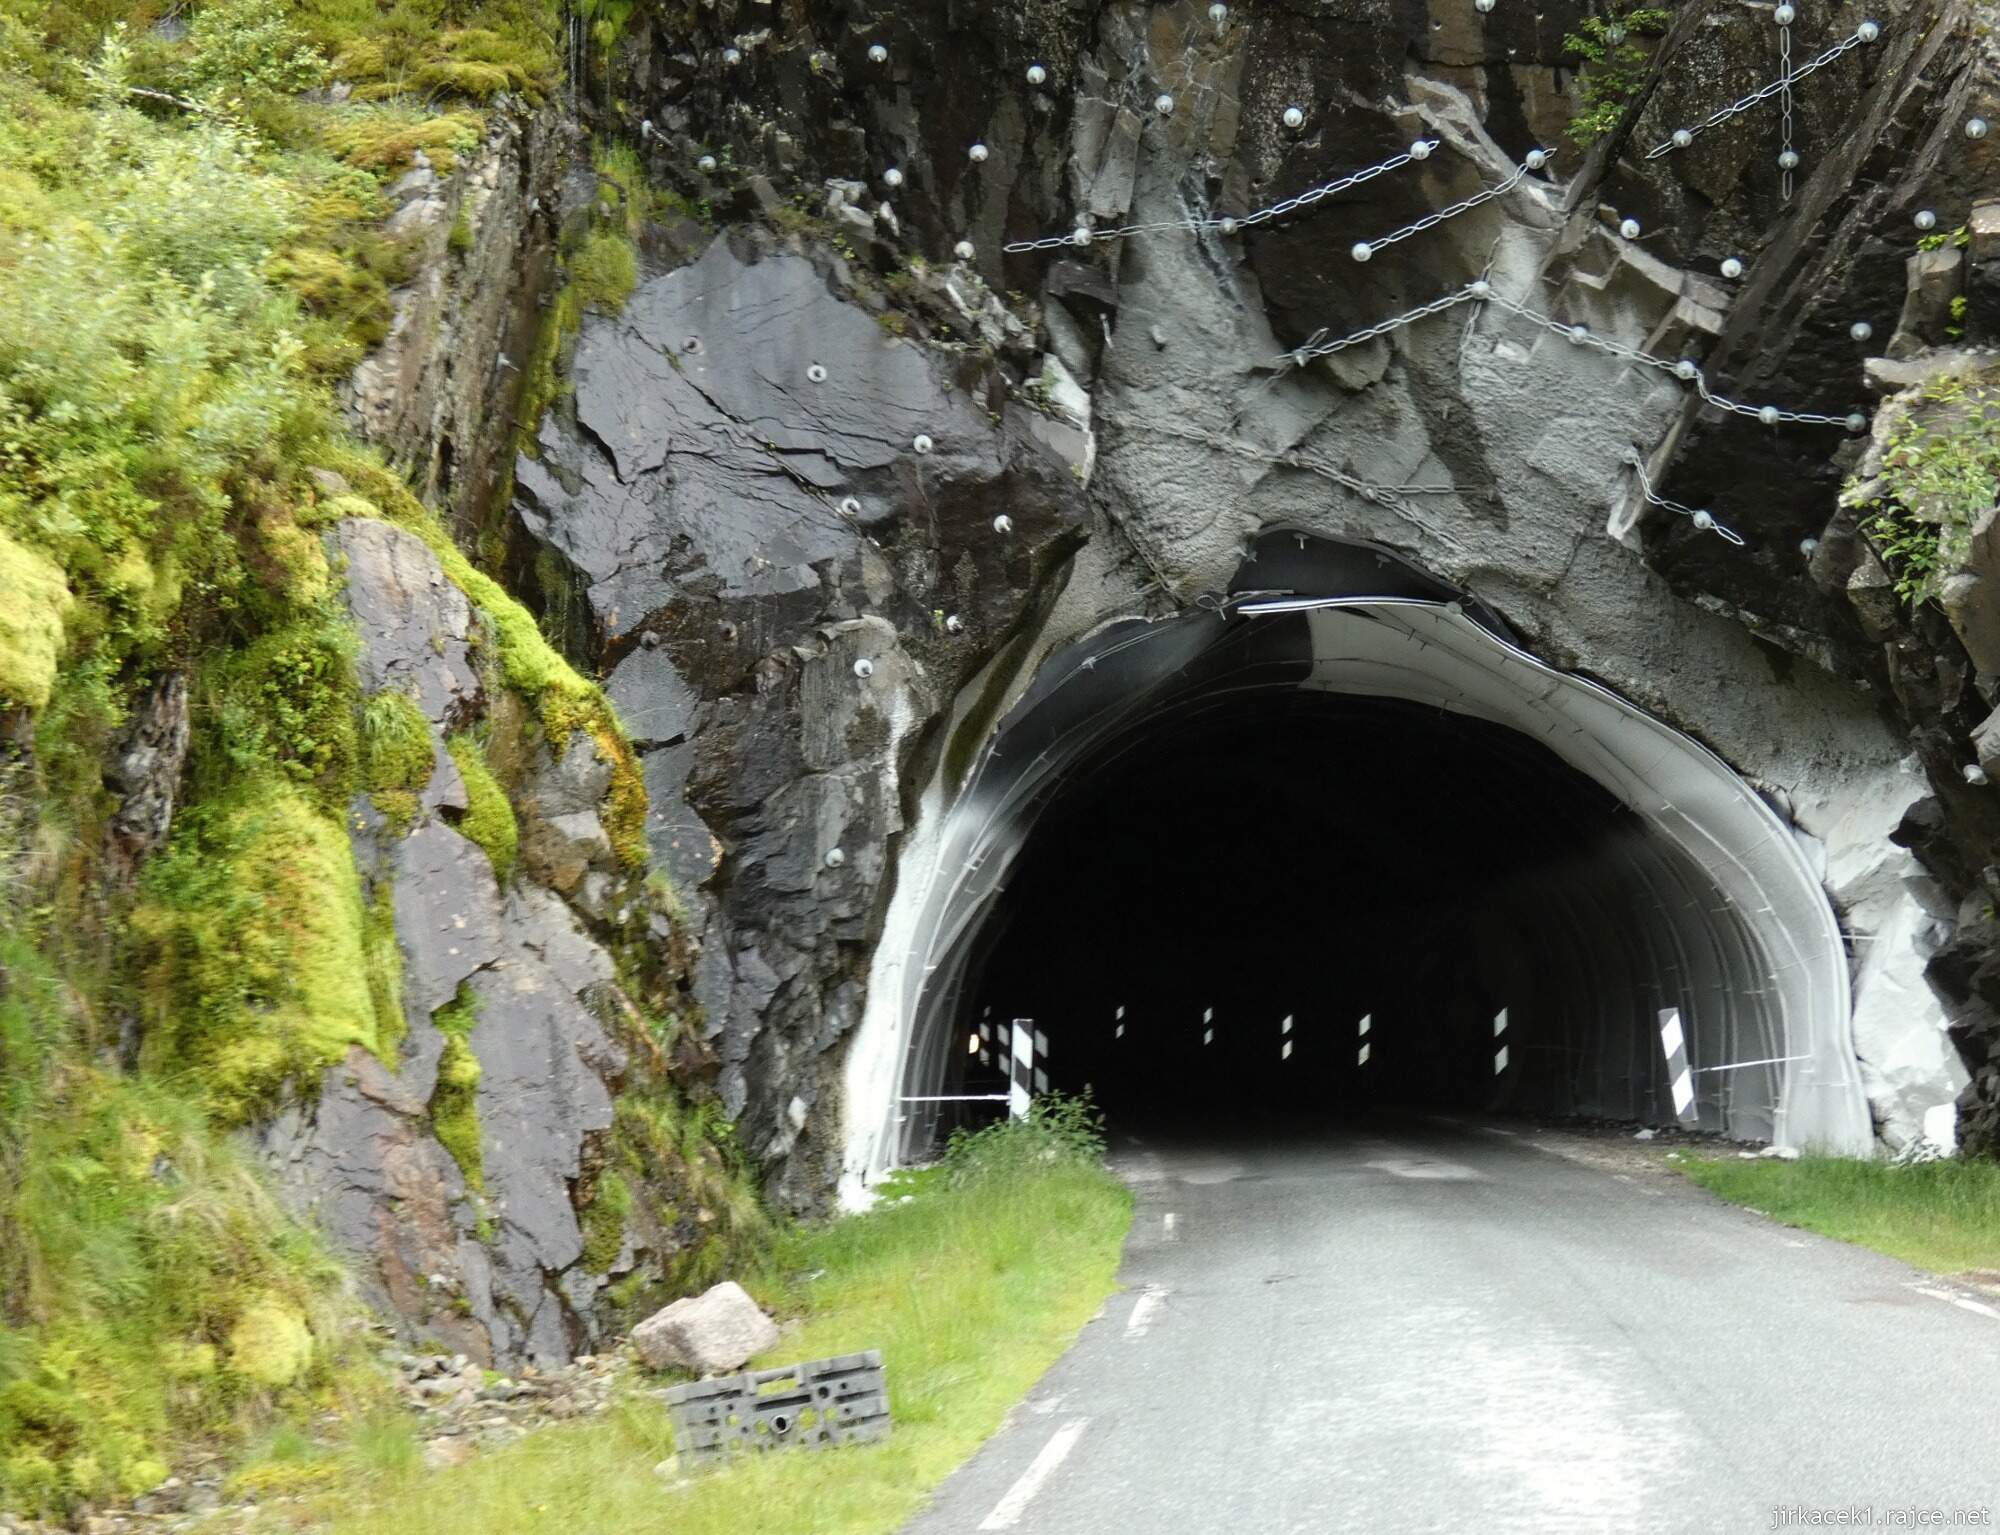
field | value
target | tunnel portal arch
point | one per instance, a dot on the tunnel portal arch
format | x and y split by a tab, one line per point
1714	909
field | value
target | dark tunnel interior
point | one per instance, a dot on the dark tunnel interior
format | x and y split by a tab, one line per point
1304	904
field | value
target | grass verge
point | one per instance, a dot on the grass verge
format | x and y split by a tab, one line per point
971	1285
1942	1216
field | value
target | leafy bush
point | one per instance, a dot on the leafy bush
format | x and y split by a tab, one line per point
1059	1131
1614	66
250	48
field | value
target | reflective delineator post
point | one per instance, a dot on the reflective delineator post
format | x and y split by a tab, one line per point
1500	1033
1673	1044
1023	1079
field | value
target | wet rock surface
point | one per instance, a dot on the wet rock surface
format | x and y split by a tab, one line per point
1494	449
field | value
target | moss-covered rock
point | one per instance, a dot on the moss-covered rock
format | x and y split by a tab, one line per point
257	950
489	817
455	1100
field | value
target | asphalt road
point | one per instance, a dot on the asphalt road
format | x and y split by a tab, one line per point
1438	1326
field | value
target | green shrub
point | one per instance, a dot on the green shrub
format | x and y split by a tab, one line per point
250	48
1614	66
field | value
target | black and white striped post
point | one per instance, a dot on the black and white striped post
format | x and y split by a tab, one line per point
1673	1044
1025	1076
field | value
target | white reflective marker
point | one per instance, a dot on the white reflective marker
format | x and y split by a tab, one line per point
1286	1026
1286	1053
1367	1023
1208	1036
1362	1058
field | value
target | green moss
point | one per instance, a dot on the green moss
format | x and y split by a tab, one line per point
256	951
396	745
271	1342
285	701
134	1246
31	623
387	138
605	270
489	816
604	1223
454	1102
383	956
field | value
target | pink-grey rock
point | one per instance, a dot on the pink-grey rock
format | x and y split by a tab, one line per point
710	1334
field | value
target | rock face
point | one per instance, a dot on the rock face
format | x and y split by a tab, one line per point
789	524
438	393
481	1255
710	1334
827	493
740	477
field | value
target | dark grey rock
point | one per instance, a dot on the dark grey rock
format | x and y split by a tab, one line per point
654	702
415	625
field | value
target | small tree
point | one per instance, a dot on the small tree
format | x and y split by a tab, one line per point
1614	67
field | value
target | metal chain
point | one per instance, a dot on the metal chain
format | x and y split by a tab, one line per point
1683	369
1757	97
1368	248
1084	235
1701	519
1785	104
1482	290
1316	345
1391	496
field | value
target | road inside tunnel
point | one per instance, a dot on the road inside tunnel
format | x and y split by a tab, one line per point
1310	904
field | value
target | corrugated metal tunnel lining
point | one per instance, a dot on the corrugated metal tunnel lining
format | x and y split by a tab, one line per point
1686	892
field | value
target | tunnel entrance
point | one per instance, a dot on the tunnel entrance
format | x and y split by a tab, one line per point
1343	794
1312	903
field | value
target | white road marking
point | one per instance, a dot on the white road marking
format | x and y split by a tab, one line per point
1140	1322
1963	1302
1007	1512
1167	1226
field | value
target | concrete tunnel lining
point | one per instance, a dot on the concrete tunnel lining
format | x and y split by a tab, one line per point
1760	975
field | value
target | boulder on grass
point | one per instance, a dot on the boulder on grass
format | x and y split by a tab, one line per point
710	1334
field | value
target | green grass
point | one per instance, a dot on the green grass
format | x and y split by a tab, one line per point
1943	1216
971	1290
